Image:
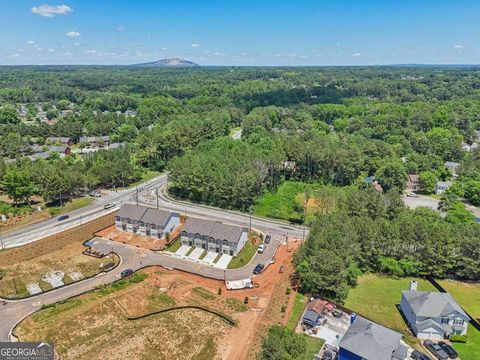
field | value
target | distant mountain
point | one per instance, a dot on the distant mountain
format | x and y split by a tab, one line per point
175	62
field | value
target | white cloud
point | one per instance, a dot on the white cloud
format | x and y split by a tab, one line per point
30	42
73	34
195	45
51	11
356	55
120	28
458	46
91	51
51	50
216	53
76	44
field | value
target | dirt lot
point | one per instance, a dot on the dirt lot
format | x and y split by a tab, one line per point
102	317
144	242
68	259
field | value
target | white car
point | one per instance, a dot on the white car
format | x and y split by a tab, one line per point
261	248
412	194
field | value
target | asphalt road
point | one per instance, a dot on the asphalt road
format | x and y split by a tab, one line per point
33	232
134	258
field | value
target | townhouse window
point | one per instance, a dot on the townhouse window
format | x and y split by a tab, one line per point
444	321
458	322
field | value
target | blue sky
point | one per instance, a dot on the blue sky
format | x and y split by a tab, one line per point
262	32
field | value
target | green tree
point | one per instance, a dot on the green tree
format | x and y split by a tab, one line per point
8	114
427	181
392	175
18	185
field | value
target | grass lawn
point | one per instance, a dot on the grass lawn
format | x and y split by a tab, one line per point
313	346
376	297
190	251
471	349
468	296
205	252
217	258
297	311
234	130
174	246
244	257
72	205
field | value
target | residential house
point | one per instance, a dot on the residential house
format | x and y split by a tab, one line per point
130	113
213	236
433	315
413	183
441	186
60	149
65	141
366	340
146	221
452	167
95	141
115	146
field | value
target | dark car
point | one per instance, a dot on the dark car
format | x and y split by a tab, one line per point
126	272
328	355
268	238
63	217
436	350
337	313
417	355
258	269
452	353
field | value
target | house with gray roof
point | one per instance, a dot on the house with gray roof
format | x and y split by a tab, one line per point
146	221
442	186
433	315
366	340
213	236
452	167
95	141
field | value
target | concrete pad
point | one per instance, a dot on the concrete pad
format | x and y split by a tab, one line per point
223	262
182	250
331	337
208	259
195	254
34	289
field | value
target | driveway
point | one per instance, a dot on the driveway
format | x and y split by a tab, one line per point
420	201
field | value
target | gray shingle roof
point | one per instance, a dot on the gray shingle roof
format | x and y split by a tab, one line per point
157	217
223	231
198	226
432	304
371	341
214	229
130	211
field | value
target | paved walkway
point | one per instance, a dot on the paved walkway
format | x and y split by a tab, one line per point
182	251
223	262
195	254
210	257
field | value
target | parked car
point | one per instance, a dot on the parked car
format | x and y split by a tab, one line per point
63	217
126	272
261	248
94	194
258	269
412	194
109	206
417	355
452	353
436	350
268	238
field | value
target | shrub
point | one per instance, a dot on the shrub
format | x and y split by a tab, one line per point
458	338
219	292
246	300
288	291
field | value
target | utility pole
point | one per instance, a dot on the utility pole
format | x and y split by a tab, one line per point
250	216
61	198
1	240
136	191
156	195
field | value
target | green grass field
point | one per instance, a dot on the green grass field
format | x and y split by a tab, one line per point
376	297
468	296
174	246
72	205
244	257
297	311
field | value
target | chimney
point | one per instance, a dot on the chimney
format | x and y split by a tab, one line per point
413	285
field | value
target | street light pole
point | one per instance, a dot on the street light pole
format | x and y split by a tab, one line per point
250	216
